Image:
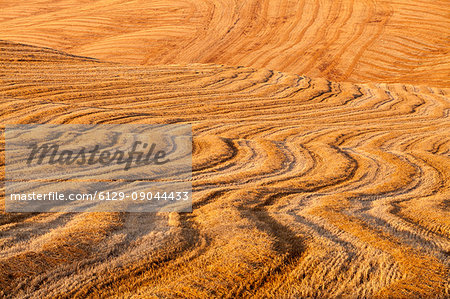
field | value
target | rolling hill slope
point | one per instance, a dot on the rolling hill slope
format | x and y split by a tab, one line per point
304	186
397	41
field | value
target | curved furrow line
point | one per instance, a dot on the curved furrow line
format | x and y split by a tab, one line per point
68	243
377	211
338	252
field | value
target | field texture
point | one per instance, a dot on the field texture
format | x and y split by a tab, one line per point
312	176
345	40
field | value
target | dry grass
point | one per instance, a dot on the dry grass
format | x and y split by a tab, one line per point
346	40
304	186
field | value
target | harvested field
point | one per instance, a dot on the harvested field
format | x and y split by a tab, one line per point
312	176
346	40
303	187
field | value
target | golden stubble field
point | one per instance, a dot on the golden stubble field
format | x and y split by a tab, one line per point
321	150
